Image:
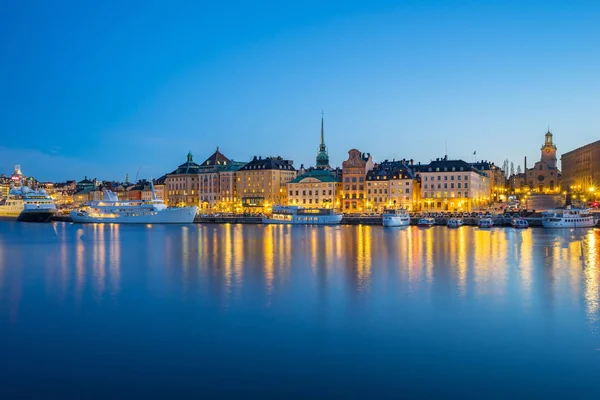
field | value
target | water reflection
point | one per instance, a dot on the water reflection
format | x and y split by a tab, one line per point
548	269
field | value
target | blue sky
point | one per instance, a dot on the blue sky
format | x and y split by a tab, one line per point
103	89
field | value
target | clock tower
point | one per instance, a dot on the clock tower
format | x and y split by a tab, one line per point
549	151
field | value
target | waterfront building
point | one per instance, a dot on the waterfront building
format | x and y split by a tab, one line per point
393	185
182	184
261	182
315	188
318	187
354	175
581	168
498	184
84	184
210	179
544	177
453	185
160	187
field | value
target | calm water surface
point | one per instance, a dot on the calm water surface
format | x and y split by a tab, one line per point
349	311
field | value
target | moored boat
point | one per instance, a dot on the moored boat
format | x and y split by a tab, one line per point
398	217
297	215
519	223
112	210
485	223
569	217
454	223
426	222
27	205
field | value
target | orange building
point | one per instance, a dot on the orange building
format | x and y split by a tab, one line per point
354	176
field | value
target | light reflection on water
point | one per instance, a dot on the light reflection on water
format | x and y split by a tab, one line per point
357	281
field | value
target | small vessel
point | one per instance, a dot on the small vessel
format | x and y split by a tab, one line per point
485	223
397	217
569	217
27	205
426	222
297	215
454	223
519	223
112	210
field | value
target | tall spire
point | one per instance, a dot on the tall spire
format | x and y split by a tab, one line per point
322	132
322	157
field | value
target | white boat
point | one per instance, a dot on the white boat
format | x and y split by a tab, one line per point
519	223
570	217
27	205
112	210
297	215
426	222
397	217
485	223
454	223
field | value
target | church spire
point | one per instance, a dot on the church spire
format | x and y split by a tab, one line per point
322	156
322	132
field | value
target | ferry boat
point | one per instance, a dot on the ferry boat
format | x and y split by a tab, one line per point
397	217
570	217
519	223
27	205
454	223
297	215
426	222
112	210
485	223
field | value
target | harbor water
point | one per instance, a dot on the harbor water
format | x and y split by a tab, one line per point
109	311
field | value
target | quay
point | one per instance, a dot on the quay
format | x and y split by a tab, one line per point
534	220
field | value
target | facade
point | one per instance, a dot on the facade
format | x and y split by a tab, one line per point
392	185
183	183
453	185
545	177
498	184
261	182
354	176
210	179
316	188
581	168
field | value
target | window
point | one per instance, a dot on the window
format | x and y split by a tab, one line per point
407	190
446	177
452	186
458	184
445	186
452	177
439	186
354	179
466	185
361	179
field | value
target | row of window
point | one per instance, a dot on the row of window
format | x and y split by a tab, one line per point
310	192
354	179
439	186
439	194
354	187
439	178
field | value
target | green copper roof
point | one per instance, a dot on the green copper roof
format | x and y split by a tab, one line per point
322	175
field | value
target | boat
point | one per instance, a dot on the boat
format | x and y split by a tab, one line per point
569	217
398	217
485	223
114	211
27	205
297	215
426	221
519	223
454	223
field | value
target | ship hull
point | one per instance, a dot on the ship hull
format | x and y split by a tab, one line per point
183	215
335	219
587	222
36	216
394	221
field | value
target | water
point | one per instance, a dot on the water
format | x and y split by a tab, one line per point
348	311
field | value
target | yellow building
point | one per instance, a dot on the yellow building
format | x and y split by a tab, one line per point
316	188
182	184
354	176
392	185
453	185
261	182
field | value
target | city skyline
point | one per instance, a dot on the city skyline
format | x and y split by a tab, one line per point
138	92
